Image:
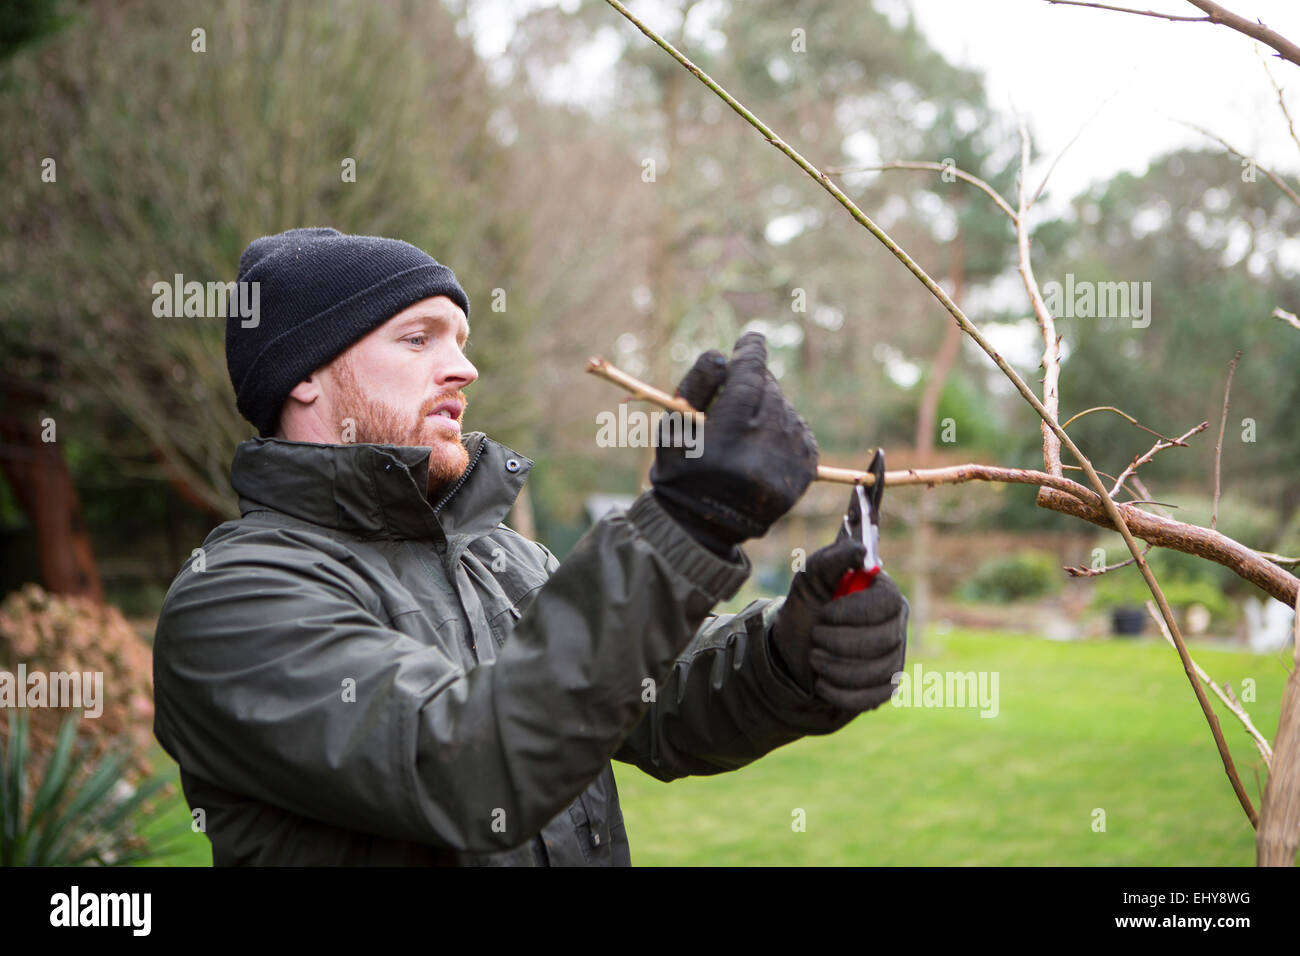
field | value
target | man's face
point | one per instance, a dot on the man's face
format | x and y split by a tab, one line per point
402	385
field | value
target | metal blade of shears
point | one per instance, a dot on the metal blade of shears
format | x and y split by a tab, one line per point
862	522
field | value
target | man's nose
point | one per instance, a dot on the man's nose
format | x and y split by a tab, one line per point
457	372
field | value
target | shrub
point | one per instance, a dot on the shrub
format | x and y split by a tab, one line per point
74	808
1125	587
1025	574
49	632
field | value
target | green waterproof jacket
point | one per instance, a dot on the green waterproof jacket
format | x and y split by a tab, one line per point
350	675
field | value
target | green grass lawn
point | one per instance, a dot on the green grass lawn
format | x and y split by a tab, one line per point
185	846
1106	724
1109	724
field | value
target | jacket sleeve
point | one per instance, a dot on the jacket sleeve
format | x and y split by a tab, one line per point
726	703
276	678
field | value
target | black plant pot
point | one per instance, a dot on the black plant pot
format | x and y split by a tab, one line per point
1128	621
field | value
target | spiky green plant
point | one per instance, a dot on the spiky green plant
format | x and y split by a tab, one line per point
81	814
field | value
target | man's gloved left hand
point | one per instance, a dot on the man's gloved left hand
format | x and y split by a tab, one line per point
847	650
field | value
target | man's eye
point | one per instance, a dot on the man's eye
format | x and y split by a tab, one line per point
416	340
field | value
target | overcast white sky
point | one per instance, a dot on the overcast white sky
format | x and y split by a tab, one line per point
1058	65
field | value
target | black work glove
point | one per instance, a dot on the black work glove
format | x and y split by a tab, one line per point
756	455
846	650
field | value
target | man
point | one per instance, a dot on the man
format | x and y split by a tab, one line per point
368	667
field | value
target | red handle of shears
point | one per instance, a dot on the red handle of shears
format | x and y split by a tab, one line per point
856	579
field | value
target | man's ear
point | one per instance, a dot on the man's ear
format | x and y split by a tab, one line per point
307	391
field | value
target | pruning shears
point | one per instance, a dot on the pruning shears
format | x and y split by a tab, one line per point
863	522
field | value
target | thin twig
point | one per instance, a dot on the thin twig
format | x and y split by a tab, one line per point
1150	453
933	167
1261	744
1214	14
1145	498
1051	362
1140	13
1218	445
1281	101
1079	571
1065	149
1112	408
1276	179
953	474
638	389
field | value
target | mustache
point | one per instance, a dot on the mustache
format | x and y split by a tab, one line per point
457	396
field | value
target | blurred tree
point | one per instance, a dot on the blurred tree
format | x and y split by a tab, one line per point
31	457
1208	242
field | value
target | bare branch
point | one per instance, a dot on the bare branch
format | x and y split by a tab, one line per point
1142	489
1112	408
1139	13
1150	453
1218	445
1217	13
1084	503
933	167
638	389
1079	571
1277	180
1188	538
1281	102
1051	362
1065	149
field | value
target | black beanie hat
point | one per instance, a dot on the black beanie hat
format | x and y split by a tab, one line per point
319	291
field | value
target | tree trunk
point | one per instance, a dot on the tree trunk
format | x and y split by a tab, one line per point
40	480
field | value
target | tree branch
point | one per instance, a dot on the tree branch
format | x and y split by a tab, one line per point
1139	13
1084	503
1218	445
933	167
1277	180
1110	508
1051	362
1150	453
1216	13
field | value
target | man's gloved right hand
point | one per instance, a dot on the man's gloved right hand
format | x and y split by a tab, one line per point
757	455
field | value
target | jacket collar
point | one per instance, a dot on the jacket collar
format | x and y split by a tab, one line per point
377	491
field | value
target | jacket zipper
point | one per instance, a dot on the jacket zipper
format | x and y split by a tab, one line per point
469	642
463	478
